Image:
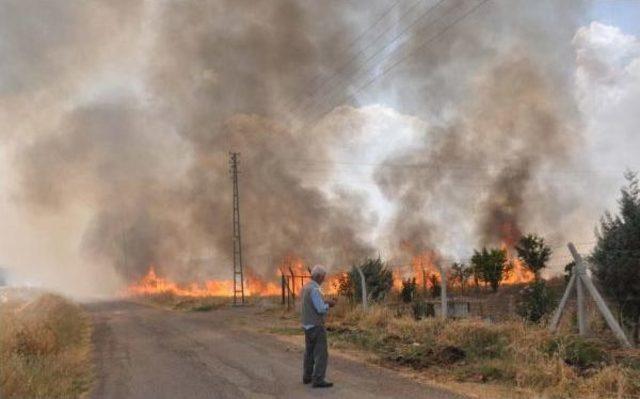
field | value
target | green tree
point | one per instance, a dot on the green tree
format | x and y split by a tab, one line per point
568	271
377	276
344	286
616	256
476	272
491	266
409	289
460	274
534	253
435	287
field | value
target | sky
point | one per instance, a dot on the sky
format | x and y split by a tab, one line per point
623	14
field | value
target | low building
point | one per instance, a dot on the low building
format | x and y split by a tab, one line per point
457	307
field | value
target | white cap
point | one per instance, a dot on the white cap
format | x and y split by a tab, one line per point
318	270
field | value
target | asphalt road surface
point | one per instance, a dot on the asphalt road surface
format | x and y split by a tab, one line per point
145	352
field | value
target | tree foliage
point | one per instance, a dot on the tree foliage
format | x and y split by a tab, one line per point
460	274
434	285
490	266
344	286
378	279
534	253
535	301
616	256
409	290
568	271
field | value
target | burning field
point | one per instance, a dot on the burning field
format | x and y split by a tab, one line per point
292	270
292	275
151	284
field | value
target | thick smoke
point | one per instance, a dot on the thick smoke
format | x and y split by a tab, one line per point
215	75
490	165
483	165
131	129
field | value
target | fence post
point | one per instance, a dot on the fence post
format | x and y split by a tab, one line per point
443	292
282	282
579	277
582	314
602	306
563	302
424	282
293	286
363	285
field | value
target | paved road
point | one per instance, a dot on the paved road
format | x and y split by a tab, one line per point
145	352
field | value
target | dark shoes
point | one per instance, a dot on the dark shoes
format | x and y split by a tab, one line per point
322	384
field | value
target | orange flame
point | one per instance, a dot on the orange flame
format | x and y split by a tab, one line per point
519	274
292	264
424	265
152	283
294	270
397	279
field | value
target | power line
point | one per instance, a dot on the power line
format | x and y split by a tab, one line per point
438	35
448	166
402	59
431	164
363	51
297	99
390	44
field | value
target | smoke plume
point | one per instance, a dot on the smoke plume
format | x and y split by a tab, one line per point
119	138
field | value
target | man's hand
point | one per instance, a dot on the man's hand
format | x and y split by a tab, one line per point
331	302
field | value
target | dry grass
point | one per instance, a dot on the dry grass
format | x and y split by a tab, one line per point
511	354
44	349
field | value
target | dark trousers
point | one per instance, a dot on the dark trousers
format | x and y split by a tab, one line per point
315	353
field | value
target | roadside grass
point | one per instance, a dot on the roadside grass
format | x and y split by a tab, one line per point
45	348
286	330
513	354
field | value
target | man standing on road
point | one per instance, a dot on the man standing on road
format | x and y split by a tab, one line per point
314	309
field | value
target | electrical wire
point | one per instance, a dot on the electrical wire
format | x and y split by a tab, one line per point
312	84
395	64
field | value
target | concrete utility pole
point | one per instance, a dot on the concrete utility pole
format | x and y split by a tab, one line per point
238	275
363	285
443	292
581	280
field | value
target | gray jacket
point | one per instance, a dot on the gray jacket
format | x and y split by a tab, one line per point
314	308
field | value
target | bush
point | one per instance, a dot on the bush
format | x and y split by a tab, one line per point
579	352
535	301
344	286
478	340
419	310
378	279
